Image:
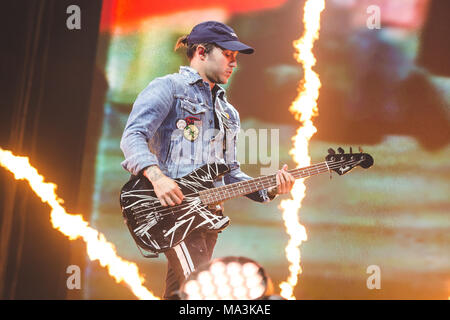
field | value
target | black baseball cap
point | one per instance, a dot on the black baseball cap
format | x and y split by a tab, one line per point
218	33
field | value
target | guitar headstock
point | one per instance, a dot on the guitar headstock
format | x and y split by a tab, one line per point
342	162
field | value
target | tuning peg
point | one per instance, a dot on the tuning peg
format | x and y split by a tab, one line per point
340	150
331	151
351	151
360	149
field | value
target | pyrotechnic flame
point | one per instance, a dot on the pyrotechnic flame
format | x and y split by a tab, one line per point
304	109
74	227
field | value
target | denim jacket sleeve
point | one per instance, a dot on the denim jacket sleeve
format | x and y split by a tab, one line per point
236	174
149	110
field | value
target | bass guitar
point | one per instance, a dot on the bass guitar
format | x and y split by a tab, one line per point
156	228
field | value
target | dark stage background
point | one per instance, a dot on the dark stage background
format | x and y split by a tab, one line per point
66	95
46	93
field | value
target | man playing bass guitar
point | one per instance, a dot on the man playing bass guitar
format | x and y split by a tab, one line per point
182	121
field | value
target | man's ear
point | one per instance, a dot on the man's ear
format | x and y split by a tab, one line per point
201	52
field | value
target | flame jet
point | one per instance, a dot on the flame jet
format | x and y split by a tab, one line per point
74	226
304	108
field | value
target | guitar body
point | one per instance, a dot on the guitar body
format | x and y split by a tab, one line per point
156	228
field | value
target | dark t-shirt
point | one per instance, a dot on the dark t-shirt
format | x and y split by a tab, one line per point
214	94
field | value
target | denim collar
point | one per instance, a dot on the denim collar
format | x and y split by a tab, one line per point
194	77
192	74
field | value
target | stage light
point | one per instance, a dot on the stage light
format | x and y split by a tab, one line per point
229	278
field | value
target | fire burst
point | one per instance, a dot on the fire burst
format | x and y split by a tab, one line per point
74	227
304	108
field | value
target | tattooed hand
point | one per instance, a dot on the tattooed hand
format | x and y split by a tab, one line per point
166	189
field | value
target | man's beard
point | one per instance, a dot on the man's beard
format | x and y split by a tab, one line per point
214	78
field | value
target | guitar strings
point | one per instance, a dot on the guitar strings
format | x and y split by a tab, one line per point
234	188
269	179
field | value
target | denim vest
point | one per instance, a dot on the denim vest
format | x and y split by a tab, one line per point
172	125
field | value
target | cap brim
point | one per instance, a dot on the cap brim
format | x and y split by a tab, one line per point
235	45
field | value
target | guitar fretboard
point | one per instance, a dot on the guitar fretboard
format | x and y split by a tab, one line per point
242	188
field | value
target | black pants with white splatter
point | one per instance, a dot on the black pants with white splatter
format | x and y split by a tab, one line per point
187	256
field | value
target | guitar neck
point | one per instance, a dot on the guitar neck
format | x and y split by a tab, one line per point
242	188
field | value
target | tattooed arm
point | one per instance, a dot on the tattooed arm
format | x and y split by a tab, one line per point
166	189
